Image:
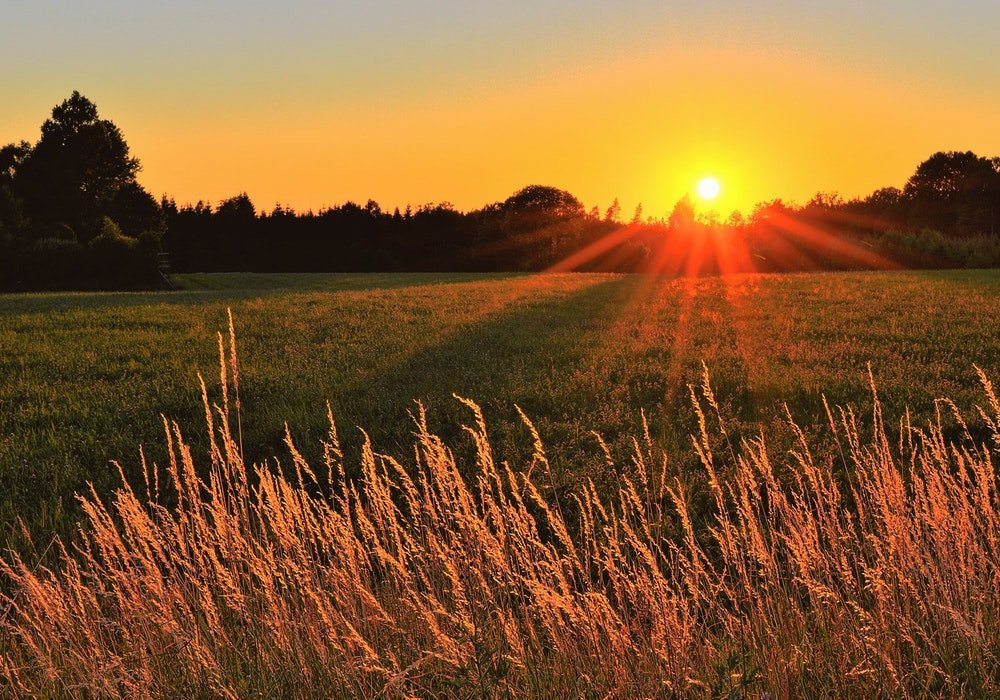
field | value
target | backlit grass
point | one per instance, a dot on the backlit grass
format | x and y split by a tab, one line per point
865	568
85	377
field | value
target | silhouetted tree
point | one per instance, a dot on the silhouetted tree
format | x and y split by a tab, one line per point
136	211
11	157
543	203
77	167
60	194
885	198
827	201
238	209
682	215
11	210
12	219
637	216
614	213
764	212
955	192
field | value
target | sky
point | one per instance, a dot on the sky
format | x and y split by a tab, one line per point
307	103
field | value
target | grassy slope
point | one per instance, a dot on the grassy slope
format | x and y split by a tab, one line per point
84	377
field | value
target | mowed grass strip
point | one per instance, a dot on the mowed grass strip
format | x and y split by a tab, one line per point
84	378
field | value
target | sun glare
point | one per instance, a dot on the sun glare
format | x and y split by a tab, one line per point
709	188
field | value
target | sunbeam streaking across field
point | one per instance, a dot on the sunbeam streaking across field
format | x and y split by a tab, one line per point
808	236
773	239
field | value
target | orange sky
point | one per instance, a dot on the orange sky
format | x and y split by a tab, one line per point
428	109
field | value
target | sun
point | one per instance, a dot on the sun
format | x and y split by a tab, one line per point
709	188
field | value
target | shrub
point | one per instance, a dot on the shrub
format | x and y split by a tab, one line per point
122	261
55	263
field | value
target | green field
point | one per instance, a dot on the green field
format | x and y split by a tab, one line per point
84	378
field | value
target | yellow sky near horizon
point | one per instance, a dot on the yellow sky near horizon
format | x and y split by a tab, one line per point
669	121
644	122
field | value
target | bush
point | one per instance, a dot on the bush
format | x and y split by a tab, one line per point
931	244
57	262
112	256
48	263
121	261
931	249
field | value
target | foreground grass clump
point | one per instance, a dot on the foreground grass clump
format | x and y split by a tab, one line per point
436	579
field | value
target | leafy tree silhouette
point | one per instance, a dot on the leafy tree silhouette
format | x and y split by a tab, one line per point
682	216
11	157
614	213
543	203
77	167
955	192
73	187
238	209
637	216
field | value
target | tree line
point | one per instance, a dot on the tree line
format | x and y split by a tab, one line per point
530	230
73	215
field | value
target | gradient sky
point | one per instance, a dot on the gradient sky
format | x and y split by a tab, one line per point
309	103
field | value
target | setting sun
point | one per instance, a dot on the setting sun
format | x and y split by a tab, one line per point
709	188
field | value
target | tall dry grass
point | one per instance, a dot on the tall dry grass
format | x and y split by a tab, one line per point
870	571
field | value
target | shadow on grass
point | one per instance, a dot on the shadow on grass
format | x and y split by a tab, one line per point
209	288
522	356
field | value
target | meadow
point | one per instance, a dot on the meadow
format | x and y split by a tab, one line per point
727	487
85	378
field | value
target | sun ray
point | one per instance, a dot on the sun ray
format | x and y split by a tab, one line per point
830	243
596	249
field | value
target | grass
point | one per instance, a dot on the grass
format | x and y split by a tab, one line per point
85	377
866	568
